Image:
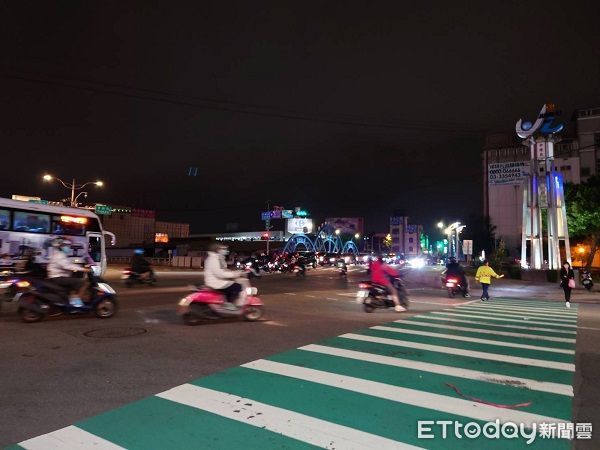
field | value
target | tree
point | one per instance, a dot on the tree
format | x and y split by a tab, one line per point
583	213
387	242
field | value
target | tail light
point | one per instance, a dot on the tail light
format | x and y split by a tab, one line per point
451	280
23	284
364	286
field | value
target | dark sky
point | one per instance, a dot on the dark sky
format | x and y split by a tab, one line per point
344	108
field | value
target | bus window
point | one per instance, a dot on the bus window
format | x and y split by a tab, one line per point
95	248
67	225
31	222
4	219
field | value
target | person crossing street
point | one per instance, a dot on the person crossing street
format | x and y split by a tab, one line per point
484	276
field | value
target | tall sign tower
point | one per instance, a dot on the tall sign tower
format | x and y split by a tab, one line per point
544	191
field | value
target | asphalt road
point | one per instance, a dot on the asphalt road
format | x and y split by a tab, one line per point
66	369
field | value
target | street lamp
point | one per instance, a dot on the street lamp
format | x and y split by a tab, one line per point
338	231
440	224
73	186
357	235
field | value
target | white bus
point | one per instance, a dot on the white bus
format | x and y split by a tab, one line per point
26	227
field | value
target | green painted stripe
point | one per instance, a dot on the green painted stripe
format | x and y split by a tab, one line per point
488	348
488	324
154	423
359	411
543	403
502	368
491	337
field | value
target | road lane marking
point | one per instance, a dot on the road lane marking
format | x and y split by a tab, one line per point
69	438
413	397
545	312
476	322
290	293
469	353
502	319
474	340
538	316
278	420
484	331
543	386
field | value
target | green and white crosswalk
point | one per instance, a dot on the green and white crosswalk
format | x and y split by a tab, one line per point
506	360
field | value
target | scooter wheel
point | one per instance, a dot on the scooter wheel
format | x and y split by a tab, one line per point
451	293
191	319
253	313
28	315
106	308
368	308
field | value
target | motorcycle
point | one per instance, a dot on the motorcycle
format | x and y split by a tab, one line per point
130	278
342	268
44	298
454	286
372	295
251	266
586	280
299	270
204	303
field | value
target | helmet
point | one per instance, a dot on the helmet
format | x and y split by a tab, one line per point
138	251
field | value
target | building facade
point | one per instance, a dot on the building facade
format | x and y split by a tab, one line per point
406	237
506	167
135	227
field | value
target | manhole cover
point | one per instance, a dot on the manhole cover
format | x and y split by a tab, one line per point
115	332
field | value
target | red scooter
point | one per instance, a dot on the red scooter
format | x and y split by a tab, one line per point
208	304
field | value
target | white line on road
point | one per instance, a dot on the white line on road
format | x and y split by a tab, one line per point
474	340
484	331
477	322
516	314
69	438
421	399
501	319
288	423
461	352
540	311
543	386
290	293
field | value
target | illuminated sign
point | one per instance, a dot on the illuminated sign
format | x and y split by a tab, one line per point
543	124
71	219
103	210
299	226
301	213
161	237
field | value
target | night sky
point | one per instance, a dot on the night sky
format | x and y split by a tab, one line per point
344	108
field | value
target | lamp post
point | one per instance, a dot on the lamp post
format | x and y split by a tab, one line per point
73	186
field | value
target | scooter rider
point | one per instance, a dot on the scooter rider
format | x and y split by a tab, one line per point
218	277
381	274
453	268
60	269
140	265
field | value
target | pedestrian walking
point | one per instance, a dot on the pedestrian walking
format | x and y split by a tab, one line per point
567	282
484	276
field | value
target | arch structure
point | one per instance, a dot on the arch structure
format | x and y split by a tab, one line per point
299	240
350	247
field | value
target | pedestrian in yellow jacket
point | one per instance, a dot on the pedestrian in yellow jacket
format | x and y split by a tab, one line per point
484	276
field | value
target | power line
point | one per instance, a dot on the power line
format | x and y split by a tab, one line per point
237	107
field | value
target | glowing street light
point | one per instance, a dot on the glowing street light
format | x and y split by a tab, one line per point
73	186
357	235
338	231
440	224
